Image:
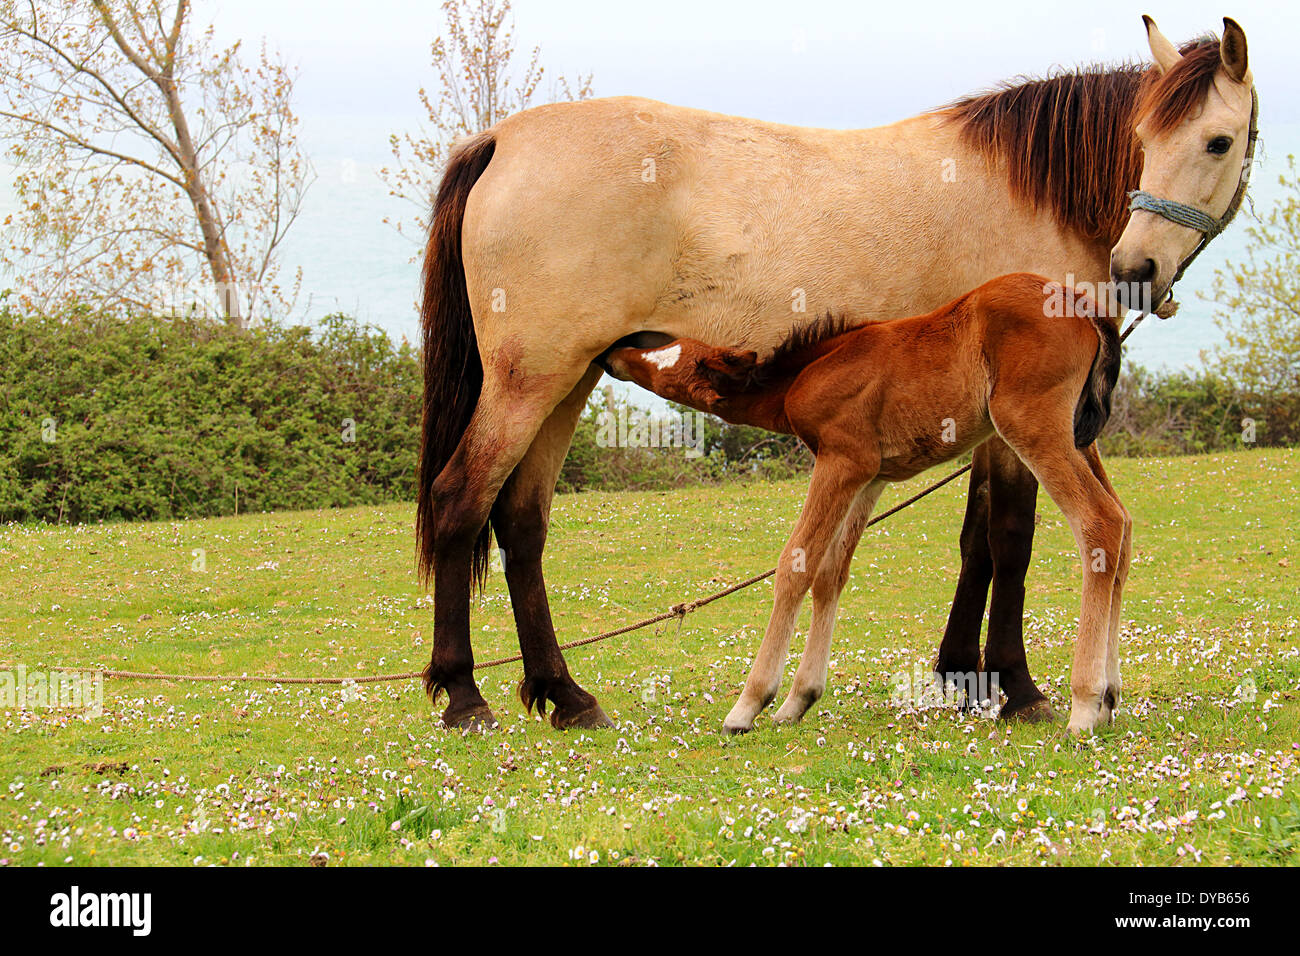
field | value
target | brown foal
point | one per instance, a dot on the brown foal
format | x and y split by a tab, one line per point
1020	356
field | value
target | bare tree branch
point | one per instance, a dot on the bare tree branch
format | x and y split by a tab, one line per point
477	88
148	158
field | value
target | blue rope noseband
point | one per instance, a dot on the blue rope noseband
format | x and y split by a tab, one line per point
1178	212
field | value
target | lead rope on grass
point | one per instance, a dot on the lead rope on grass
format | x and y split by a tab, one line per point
677	612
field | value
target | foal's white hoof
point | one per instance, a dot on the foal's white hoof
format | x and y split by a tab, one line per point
789	714
1080	728
1088	718
739	721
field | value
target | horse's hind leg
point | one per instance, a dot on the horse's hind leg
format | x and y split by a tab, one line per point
503	426
1013	496
810	679
520	519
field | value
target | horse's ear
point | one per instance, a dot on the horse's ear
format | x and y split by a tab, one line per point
1162	51
1232	49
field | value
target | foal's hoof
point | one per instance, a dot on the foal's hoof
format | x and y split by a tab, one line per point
1036	711
1090	717
593	718
1080	727
478	720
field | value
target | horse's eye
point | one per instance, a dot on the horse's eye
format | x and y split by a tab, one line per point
1219	145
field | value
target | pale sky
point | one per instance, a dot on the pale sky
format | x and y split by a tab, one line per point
831	63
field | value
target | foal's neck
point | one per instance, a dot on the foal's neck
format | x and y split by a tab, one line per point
765	407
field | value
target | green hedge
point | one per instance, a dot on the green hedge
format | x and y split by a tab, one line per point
148	418
1182	413
143	418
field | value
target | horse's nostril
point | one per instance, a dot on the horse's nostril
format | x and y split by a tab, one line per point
1129	274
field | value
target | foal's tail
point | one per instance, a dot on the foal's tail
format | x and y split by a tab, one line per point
453	371
1093	408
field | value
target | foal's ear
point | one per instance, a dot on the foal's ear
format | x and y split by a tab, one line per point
703	395
1232	49
1162	51
729	361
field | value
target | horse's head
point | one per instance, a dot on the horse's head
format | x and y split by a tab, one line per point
1195	124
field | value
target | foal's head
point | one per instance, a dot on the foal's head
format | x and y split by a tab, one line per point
679	371
700	375
1194	124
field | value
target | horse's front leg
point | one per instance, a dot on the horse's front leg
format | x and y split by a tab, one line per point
959	651
834	484
810	679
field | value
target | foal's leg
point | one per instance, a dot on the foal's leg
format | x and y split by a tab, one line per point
520	519
810	679
1099	523
831	491
1013	496
1114	685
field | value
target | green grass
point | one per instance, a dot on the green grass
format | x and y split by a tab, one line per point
1193	771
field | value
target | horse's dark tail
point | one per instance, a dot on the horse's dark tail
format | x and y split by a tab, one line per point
453	371
1093	408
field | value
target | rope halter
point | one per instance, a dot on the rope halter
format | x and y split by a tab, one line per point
1195	219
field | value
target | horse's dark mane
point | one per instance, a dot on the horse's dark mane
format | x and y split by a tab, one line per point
1066	140
743	374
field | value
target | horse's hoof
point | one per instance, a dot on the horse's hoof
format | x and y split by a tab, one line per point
736	730
593	718
1036	711
478	720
